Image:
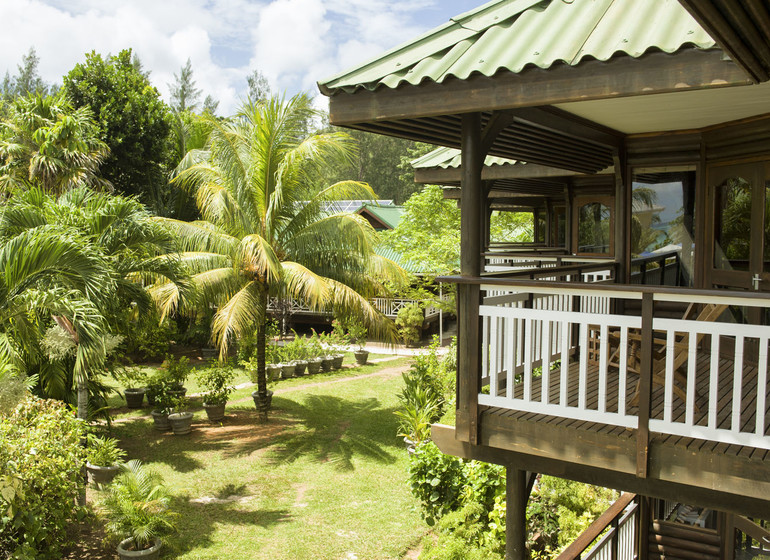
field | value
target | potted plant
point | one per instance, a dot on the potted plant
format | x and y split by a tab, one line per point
287	365
137	512
272	359
103	457
357	335
176	373
298	348
164	401
216	380
314	352
180	419
132	379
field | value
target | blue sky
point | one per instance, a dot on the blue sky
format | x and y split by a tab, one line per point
293	42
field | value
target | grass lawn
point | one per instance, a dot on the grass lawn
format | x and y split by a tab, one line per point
324	479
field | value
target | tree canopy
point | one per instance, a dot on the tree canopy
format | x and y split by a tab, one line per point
133	121
268	227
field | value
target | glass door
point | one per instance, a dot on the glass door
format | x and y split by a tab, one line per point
741	235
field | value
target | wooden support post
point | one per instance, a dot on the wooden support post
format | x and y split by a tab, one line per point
568	201
468	296
643	533
645	388
548	224
622	231
727	531
515	513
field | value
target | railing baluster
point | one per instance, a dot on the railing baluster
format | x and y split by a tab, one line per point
669	383
528	360
714	382
564	374
583	375
623	370
691	360
510	357
491	353
545	377
761	387
603	338
735	425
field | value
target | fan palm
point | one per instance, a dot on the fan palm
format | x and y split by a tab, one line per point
268	228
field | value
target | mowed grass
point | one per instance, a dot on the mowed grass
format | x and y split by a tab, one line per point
325	478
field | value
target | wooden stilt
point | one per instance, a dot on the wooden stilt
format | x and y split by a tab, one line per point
516	514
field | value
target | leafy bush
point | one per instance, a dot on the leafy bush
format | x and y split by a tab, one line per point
437	480
149	338
137	506
13	389
409	322
461	536
104	451
216	380
42	457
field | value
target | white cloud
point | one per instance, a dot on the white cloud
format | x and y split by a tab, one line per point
293	42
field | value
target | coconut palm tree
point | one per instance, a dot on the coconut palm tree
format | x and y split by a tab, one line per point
269	229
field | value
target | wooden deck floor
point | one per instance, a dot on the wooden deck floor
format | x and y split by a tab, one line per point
724	395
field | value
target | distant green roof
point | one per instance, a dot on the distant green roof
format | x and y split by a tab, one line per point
450	157
396	257
515	34
388	215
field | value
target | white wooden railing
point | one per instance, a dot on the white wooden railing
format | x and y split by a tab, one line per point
541	342
387	306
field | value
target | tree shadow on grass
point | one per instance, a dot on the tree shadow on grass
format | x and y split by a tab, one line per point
143	442
336	430
198	522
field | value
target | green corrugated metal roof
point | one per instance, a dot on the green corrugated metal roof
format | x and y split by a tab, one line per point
389	215
450	157
515	34
396	257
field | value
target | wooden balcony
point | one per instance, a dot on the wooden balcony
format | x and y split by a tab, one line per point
570	381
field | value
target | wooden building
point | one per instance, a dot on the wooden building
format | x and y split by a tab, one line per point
659	391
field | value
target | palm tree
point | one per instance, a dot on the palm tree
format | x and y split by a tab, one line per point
133	250
45	142
267	226
49	272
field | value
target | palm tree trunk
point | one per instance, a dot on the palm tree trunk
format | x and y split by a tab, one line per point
263	402
83	399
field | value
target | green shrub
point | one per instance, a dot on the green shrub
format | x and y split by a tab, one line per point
41	479
13	389
137	506
104	451
217	381
436	480
409	322
461	536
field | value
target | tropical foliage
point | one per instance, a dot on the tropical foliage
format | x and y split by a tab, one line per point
40	481
47	143
270	228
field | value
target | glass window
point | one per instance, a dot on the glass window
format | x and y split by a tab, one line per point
732	227
663	214
594	227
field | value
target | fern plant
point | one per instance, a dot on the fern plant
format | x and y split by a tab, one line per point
137	506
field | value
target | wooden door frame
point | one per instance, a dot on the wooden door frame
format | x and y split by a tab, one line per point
607	200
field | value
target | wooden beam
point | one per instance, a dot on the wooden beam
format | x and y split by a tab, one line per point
622	217
515	513
725	35
753	503
617	77
499	121
571	126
